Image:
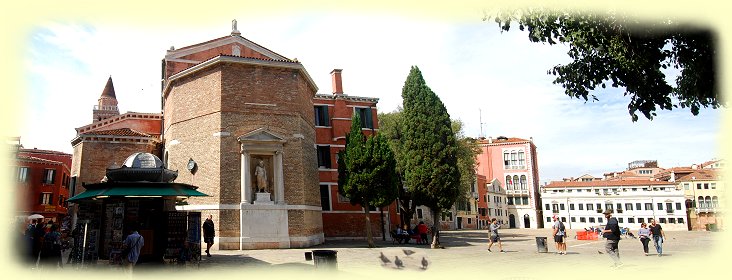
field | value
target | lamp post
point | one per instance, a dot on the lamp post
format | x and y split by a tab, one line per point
477	215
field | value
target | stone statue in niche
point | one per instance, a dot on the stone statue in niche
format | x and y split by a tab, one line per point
261	174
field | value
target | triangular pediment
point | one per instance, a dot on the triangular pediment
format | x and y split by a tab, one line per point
261	135
226	45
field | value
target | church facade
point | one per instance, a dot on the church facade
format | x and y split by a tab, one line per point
245	125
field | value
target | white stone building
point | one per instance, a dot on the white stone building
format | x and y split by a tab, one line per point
580	204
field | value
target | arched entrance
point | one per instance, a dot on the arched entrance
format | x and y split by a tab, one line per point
527	222
511	221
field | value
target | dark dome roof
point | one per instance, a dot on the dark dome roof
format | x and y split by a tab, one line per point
143	160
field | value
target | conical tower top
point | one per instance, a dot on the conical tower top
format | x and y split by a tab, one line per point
109	89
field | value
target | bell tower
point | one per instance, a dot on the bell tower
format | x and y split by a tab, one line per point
107	104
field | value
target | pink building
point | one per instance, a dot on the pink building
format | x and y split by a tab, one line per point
512	163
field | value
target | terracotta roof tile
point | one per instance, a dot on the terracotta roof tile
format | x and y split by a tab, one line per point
227	55
700	175
561	184
119	132
30	158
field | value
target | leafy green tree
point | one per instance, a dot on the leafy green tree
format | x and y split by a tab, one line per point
624	52
467	151
429	151
366	172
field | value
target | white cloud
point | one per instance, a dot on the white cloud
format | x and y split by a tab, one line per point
470	65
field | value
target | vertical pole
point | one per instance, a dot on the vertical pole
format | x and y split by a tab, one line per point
83	246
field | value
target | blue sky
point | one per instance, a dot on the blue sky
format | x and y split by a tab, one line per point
470	64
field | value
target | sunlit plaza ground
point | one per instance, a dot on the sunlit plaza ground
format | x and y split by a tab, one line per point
465	253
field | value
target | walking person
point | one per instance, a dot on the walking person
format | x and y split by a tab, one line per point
658	236
131	252
612	236
51	248
208	234
643	234
494	237
560	236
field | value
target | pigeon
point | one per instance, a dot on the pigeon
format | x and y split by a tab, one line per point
398	262
384	259
425	263
408	252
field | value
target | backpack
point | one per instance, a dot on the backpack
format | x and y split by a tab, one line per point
561	226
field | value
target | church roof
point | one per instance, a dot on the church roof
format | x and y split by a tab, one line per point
120	132
109	89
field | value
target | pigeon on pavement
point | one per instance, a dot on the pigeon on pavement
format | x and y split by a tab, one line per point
384	259
398	262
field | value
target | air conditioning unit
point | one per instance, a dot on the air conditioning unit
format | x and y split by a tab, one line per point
599	211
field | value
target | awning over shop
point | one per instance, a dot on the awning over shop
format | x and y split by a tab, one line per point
141	189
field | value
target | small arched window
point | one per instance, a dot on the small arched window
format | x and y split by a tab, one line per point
708	201
715	202
509	184
521	158
514	160
506	161
700	202
515	181
523	182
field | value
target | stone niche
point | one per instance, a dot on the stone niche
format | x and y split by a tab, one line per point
264	216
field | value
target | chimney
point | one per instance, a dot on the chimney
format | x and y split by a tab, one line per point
490	139
337	83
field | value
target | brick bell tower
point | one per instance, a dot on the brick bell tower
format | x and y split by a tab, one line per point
107	104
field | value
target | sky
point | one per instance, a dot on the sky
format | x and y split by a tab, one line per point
495	82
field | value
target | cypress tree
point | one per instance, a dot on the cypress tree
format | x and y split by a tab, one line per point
366	172
429	151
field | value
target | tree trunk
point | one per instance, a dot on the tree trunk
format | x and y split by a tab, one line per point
435	229
383	232
369	235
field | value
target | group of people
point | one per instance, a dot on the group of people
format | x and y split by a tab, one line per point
419	233
611	233
44	243
646	233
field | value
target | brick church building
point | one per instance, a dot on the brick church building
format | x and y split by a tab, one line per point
246	126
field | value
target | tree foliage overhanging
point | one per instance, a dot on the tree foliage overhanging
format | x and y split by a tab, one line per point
624	52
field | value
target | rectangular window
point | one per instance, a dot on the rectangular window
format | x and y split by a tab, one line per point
638	206
583	220
571	206
580	206
698	186
662	220
631	220
599	206
592	219
671	220
555	208
641	220
545	205
713	186
573	219
669	208
659	206
321	116
365	115
325	197
599	220
419	213
48	176
46	198
525	200
629	206
548	219
564	220
561	206
680	220
620	220
608	206
590	206
470	221
619	206
324	157
23	174
686	186
649	206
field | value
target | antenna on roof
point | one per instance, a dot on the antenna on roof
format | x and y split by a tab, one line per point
480	120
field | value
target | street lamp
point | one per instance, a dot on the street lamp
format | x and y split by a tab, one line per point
477	215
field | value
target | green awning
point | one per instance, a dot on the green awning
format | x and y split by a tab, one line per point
136	190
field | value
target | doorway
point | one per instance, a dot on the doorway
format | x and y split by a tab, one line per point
527	222
511	221
459	222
